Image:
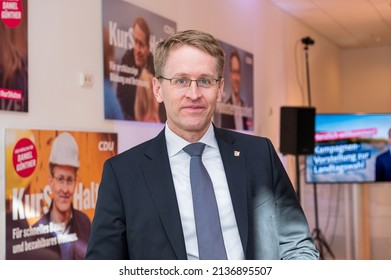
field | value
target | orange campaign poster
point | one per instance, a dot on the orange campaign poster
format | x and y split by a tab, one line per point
52	180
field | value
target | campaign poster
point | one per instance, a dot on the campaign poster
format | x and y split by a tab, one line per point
236	110
13	56
130	36
52	179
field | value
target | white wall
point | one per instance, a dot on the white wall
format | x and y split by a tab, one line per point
367	77
366	88
65	39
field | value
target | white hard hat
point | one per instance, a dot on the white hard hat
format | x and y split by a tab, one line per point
65	151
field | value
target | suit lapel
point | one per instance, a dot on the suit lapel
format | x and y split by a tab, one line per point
235	170
159	180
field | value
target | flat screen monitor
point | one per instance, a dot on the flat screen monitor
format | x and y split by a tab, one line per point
347	147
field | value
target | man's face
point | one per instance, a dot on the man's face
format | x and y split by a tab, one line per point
62	184
234	74
190	109
141	47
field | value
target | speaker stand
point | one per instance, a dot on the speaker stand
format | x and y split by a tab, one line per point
297	178
319	239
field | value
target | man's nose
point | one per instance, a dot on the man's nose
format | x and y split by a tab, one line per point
194	91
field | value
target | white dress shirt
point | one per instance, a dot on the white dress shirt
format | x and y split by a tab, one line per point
180	168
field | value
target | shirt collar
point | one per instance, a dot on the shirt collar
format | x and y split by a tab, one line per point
175	144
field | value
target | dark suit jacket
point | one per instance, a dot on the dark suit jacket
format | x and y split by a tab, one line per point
383	167
137	215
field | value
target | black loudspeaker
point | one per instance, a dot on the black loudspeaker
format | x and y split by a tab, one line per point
297	130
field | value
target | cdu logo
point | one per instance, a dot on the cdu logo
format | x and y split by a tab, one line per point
106	146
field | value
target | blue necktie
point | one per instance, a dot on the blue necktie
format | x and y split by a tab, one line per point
206	214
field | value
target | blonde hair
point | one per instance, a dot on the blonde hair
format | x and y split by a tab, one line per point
201	40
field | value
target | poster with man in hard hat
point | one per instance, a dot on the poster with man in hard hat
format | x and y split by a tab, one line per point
52	180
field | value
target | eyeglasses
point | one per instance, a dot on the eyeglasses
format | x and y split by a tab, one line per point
62	180
186	82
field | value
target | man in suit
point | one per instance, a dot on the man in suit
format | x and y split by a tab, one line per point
145	204
383	163
135	99
235	120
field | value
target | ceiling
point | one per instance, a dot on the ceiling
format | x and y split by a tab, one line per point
347	23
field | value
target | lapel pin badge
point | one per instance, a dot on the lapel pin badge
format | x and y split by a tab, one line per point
236	153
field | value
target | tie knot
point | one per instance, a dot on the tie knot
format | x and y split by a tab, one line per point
194	149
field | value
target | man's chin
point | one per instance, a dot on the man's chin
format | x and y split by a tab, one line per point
64	207
139	64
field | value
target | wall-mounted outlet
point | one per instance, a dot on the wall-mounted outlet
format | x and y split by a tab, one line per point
86	80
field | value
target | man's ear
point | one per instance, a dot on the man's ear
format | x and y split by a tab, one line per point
157	90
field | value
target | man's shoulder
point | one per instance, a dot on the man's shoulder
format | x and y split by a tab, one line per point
128	57
140	150
228	101
44	220
80	215
384	155
131	152
240	136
